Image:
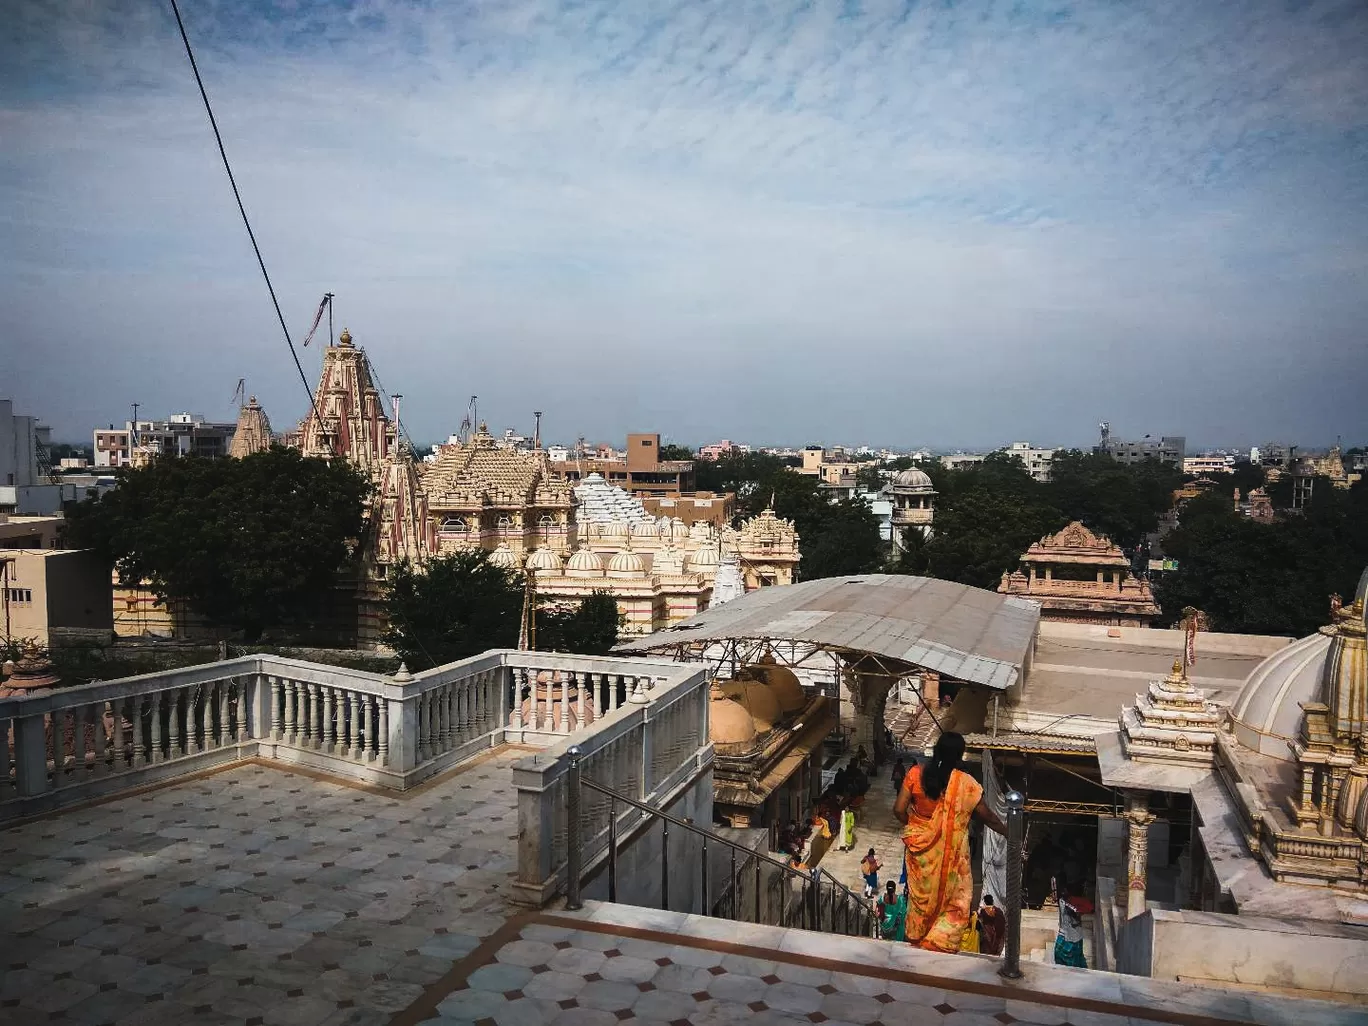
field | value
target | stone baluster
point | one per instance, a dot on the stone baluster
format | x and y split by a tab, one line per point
292	725
516	677
330	718
104	742
320	725
443	700
120	756
382	732
137	716
173	741
354	726
225	734
463	721
158	753
192	720
276	699
583	682
208	738
240	704
306	712
80	766
424	726
493	704
368	725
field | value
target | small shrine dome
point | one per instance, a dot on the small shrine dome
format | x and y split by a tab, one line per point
1267	712
616	529
758	700
782	682
544	559
705	558
504	557
626	563
584	562
728	721
678	529
644	529
913	478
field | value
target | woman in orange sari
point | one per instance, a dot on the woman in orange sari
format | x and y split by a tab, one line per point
936	803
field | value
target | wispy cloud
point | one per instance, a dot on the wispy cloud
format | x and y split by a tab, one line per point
882	220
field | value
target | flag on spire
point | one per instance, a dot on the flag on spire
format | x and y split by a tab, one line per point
327	298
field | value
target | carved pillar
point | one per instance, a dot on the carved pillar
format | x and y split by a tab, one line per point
1138	820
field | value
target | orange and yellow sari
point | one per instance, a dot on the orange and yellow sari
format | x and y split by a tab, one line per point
940	881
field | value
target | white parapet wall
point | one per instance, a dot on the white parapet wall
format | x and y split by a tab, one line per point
1209	641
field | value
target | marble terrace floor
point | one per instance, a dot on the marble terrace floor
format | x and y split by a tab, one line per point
260	897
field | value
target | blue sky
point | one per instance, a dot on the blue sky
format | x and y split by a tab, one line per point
945	224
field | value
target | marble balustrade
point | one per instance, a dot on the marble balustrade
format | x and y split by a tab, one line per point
72	744
654	748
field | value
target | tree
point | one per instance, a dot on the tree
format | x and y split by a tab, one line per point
869	479
590	627
247	544
1275	578
452	607
1122	501
676	452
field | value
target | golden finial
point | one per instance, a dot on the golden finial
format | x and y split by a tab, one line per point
345	338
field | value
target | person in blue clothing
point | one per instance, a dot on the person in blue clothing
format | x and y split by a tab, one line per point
869	869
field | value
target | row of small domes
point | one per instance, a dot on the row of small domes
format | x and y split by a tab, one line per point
586	561
743	709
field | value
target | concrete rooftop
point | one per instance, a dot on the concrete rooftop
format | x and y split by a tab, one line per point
255	895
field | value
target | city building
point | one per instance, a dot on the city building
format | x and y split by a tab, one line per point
1307	469
914	505
640	471
1201	465
54	596
960	460
181	434
1169	450
30	532
835	475
23	452
1080	577
717	509
1036	461
716	450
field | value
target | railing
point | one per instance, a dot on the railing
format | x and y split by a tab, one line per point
1016	832
72	744
823	903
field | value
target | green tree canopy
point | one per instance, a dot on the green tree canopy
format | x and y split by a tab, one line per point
869	478
250	544
676	452
589	627
1274	578
452	607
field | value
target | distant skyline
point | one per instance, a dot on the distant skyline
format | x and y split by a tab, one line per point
906	223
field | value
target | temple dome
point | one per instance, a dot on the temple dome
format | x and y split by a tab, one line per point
1267	713
678	529
783	683
544	559
504	557
704	558
584	562
626	563
912	478
728	721
616	529
644	529
758	700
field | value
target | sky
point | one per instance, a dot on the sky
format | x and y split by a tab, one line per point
944	224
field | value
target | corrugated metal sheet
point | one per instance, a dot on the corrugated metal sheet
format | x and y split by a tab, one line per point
966	633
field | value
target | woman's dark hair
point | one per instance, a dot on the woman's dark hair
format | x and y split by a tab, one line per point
945	757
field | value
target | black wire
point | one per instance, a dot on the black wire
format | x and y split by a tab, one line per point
218	138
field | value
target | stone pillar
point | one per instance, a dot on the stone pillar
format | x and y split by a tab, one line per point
1138	820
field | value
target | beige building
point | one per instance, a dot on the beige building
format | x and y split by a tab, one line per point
19	532
51	596
914	505
1080	577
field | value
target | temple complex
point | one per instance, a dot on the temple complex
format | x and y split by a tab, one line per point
1080	577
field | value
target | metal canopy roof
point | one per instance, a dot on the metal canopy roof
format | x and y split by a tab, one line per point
966	633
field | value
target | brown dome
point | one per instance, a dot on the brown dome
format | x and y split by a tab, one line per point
728	721
783	682
756	699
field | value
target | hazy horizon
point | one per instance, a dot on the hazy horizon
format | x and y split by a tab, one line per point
883	223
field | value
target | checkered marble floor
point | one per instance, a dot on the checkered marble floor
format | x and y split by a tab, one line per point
612	964
252	896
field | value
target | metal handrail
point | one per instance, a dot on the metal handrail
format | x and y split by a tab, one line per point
811	880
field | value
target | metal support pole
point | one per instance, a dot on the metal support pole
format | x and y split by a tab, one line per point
665	864
735	883
574	854
1016	815
705	903
612	849
758	887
